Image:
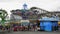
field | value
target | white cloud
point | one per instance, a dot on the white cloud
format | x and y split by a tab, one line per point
49	5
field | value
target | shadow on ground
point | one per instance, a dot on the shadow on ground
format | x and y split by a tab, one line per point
26	32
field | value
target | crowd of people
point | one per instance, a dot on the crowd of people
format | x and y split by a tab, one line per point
16	27
30	27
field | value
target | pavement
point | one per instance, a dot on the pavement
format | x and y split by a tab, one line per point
29	32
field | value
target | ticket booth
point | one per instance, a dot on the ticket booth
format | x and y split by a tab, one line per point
49	23
45	24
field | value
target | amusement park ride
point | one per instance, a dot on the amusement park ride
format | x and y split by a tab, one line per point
3	15
29	21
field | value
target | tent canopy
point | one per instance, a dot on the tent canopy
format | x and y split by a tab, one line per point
24	21
49	19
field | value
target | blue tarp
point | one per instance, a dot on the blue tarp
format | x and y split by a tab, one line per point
47	23
41	25
55	23
48	26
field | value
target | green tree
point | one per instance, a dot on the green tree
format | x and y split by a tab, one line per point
3	15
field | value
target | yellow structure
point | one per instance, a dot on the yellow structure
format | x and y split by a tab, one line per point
59	22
